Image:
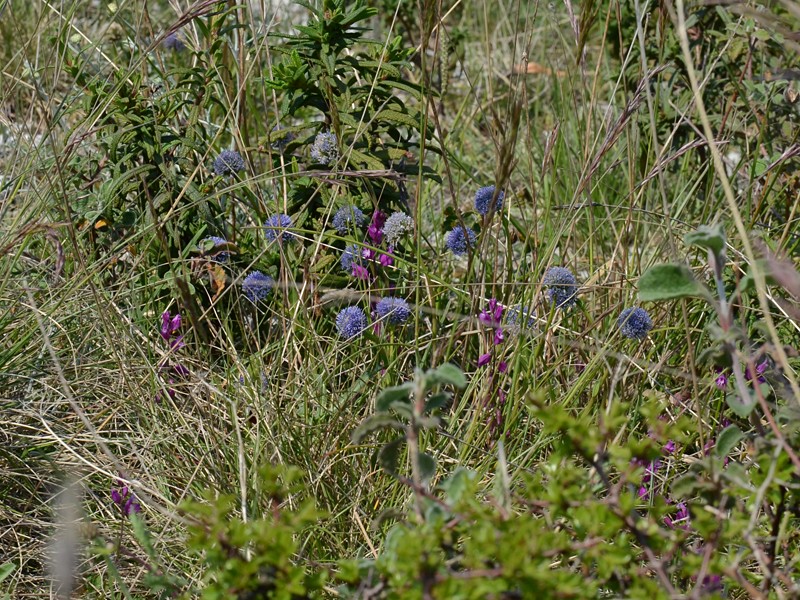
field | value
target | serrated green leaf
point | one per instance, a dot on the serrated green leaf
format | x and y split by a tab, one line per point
667	282
393	394
741	408
448	373
370	162
726	441
374	423
396	117
707	236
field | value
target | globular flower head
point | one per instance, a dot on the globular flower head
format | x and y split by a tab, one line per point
351	322
173	42
395	310
280	137
562	287
519	318
257	286
634	323
218	241
483	198
459	239
348	218
351	257
396	226
229	162
276	226
325	149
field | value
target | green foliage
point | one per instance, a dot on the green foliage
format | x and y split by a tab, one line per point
668	282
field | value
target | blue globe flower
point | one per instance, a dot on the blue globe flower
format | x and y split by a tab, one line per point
397	225
352	255
351	322
634	323
257	286
459	239
276	226
395	310
173	42
562	287
280	138
229	162
325	149
519	318
220	257
348	218
483	198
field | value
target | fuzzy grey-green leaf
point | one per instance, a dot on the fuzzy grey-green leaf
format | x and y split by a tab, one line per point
668	282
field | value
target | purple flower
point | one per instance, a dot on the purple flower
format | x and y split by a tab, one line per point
395	310
760	369
498	336
124	498
348	218
351	322
493	314
325	149
350	257
483	198
562	287
484	359
217	255
276	226
722	379
460	239
169	325
386	260
375	229
173	42
634	323
680	519
503	366
397	225
229	162
360	272
257	286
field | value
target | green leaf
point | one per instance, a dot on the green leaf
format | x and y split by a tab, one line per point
707	236
389	455
729	437
7	569
142	535
427	466
669	281
437	401
396	393
741	408
458	484
448	373
374	423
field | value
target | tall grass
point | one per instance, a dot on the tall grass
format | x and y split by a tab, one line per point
597	179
